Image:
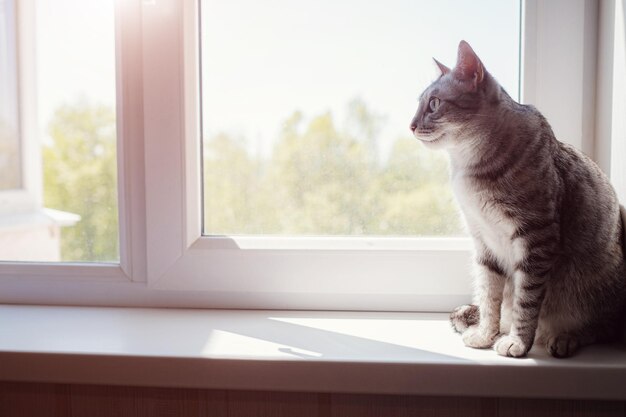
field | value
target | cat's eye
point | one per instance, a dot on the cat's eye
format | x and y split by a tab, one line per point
433	104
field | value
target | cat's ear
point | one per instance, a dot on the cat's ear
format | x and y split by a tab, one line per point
444	70
468	65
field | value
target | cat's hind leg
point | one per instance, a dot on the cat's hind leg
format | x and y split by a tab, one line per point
566	344
464	316
563	345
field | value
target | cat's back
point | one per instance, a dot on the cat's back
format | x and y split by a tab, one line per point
588	282
589	212
527	181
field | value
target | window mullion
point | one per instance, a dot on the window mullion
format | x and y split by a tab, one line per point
130	143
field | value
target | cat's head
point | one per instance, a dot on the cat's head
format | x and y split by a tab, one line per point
451	108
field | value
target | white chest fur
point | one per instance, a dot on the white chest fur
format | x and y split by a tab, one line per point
488	222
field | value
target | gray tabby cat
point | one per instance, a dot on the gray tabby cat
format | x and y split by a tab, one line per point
546	225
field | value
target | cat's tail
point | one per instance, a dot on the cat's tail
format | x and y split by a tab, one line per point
622	212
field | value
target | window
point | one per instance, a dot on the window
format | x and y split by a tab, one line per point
305	108
186	70
10	164
69	143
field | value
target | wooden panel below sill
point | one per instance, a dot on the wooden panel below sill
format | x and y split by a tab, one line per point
18	399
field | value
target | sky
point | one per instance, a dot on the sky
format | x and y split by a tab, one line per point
75	54
264	59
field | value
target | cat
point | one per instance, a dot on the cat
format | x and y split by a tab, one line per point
548	230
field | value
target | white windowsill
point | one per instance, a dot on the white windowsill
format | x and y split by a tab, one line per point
392	353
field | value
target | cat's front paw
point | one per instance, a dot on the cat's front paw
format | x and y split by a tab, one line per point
511	346
463	317
479	338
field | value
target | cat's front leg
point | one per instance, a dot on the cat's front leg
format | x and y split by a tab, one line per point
489	289
527	301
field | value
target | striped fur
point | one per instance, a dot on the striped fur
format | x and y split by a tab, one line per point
546	224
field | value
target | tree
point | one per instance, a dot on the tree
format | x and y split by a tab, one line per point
233	197
418	198
320	174
365	125
320	179
80	169
324	180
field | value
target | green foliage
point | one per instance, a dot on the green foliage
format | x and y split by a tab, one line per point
318	180
416	191
322	180
231	184
80	177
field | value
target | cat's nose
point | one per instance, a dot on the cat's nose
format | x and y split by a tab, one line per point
413	127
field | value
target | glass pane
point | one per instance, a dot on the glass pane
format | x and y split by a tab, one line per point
10	158
73	59
306	108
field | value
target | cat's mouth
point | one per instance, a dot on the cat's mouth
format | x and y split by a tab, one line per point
428	137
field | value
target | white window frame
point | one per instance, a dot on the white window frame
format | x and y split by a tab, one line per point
610	144
25	197
21	208
166	262
58	277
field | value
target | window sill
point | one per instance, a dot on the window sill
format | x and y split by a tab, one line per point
391	353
